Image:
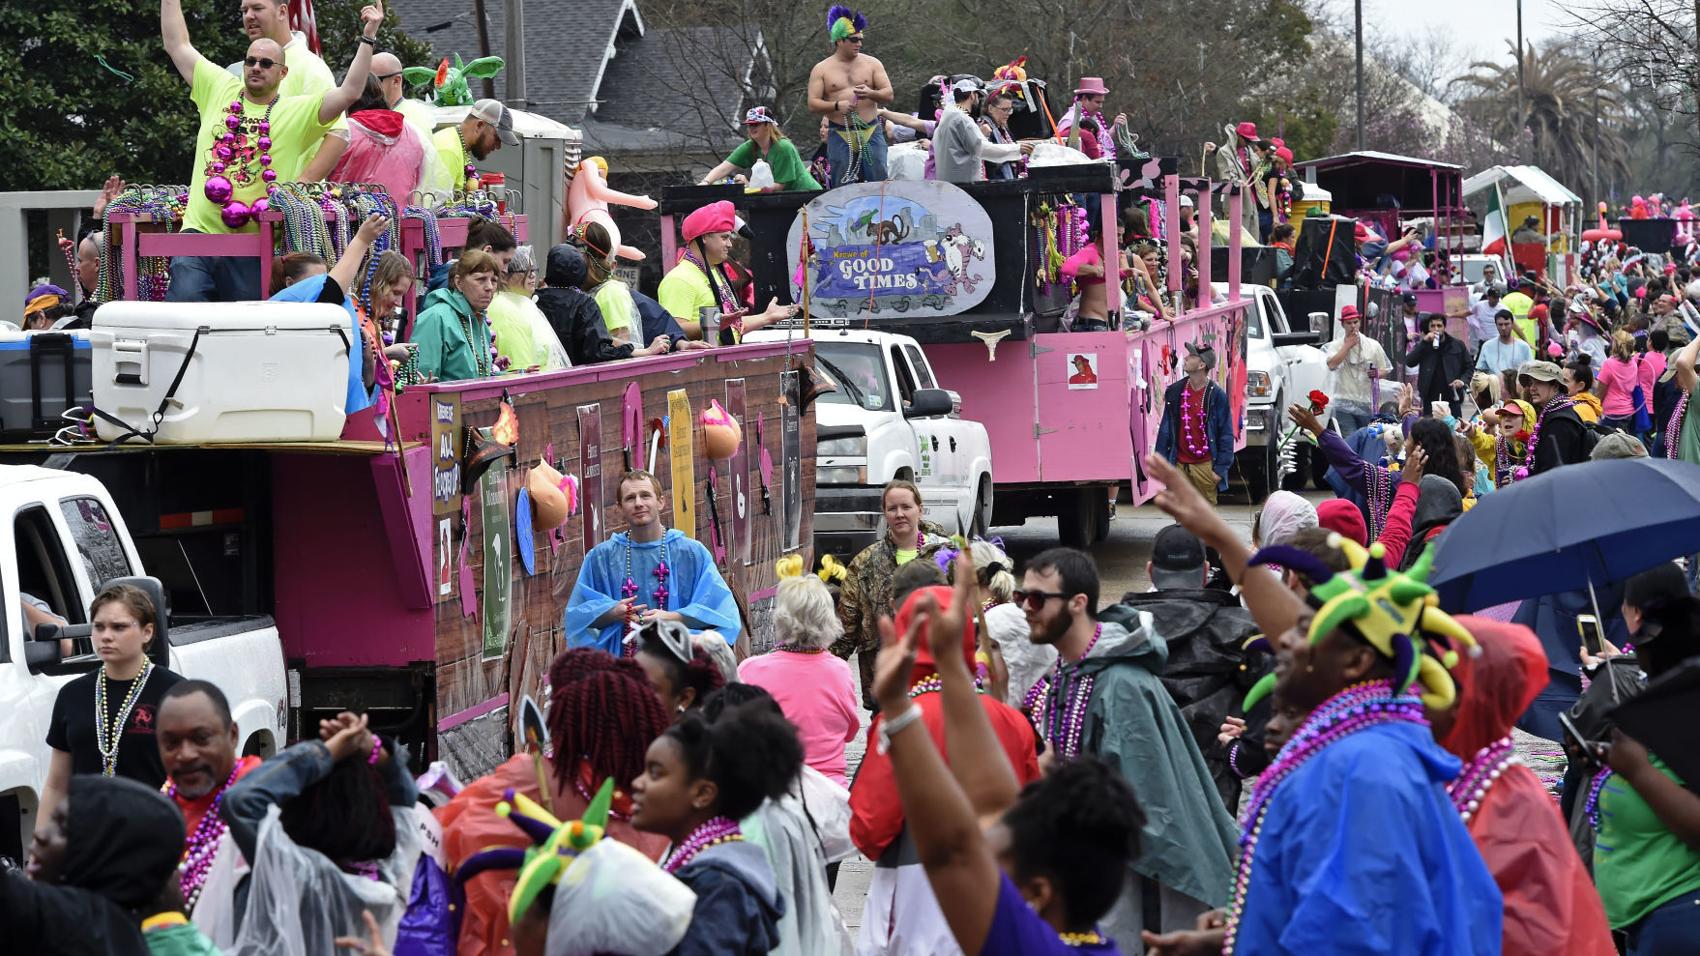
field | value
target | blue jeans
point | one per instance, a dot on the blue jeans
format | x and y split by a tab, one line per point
214	279
1670	930
1351	416
873	156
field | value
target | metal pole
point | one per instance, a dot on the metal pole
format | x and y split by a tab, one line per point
513	20
1520	117
1596	163
1359	5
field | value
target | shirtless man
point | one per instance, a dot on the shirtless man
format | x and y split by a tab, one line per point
850	80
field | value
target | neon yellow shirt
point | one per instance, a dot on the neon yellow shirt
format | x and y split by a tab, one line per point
295	133
510	323
619	312
684	291
453	155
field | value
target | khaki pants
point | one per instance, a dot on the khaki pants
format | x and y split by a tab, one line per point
1203	477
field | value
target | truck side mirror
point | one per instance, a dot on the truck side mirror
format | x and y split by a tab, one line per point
928	403
43	650
1319	322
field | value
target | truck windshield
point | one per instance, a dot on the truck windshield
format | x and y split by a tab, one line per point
858	369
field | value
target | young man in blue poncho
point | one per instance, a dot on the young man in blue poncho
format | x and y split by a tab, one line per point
646	572
1350	842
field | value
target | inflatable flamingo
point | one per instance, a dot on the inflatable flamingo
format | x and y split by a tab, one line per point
588	199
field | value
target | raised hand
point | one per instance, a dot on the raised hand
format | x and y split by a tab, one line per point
895	665
372	228
372	16
1306	419
353	739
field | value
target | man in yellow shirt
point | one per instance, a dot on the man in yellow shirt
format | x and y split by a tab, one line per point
249	137
304	73
487	127
1519	302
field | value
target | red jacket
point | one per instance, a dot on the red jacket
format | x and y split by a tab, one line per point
876	813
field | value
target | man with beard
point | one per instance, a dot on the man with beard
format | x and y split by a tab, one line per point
1205	629
197	744
1103	698
1350	842
487	127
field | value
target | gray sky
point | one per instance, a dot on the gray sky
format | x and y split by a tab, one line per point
1479	27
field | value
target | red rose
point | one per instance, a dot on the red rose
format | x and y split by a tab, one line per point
1318	401
1522	436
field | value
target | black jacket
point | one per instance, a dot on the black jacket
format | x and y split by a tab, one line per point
1438	368
573	314
1562	441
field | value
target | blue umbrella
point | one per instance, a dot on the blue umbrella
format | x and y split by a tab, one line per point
1569	529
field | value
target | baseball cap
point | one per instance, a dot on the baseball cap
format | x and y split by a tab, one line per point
1186	200
1509	408
1540	372
967	84
1177	559
497	115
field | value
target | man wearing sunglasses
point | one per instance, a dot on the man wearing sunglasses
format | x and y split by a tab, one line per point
1103	698
242	167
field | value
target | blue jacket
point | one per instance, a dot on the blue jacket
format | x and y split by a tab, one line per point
1218	417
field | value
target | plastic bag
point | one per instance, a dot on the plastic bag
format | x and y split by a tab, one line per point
829	808
613	899
906	162
761	177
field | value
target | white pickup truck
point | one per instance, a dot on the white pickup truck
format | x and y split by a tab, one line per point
1283	365
889	418
62	540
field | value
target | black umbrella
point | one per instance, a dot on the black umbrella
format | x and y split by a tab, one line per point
1662	717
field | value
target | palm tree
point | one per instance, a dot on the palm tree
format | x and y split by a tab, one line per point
1563	108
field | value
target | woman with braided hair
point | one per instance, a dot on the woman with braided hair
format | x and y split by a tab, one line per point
602	716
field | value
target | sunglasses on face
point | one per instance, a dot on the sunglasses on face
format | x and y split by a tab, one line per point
381	77
1035	600
263	62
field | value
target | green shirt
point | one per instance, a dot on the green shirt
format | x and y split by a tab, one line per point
511	325
1638	863
295	133
619	312
906	555
453	154
446	352
789	171
684	290
1688	439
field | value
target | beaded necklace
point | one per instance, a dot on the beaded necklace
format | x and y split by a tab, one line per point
108	731
1093	938
722	290
1557	403
1673	429
932	685
711	832
1379	484
470	172
1197	445
1481	773
227	171
630	589
1592	808
481	364
1064	717
798	649
202	845
1357	707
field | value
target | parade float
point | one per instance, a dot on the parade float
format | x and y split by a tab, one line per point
971	272
417	557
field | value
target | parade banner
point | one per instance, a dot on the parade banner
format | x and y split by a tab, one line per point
445	455
920	248
590	472
498	576
740	469
681	445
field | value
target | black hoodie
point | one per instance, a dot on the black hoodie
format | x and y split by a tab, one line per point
572	313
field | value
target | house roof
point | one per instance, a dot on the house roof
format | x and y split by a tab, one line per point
676	88
567	44
1522	184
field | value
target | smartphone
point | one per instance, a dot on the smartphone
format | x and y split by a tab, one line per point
1588	626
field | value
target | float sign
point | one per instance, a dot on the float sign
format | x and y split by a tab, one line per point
915	248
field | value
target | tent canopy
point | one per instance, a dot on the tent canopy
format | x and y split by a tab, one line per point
1521	184
1370	180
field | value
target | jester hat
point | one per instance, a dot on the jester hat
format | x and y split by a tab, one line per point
842	23
554	845
1398	614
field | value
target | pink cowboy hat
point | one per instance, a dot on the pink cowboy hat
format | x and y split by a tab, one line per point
1247	129
1092	86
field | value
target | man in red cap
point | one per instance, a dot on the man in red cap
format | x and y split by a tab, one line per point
1359	365
698	282
1089	104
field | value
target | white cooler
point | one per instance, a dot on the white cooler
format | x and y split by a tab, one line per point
259	371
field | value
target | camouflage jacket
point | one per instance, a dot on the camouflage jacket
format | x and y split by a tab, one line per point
866	595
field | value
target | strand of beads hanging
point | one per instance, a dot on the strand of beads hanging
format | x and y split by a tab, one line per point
1591	809
109	731
798	649
1673	429
202	845
469	171
1195	443
932	685
1061	716
710	833
1093	938
1557	403
1351	710
229	168
662	572
1480	774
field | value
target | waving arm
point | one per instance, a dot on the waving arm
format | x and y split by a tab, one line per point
174	30
338	101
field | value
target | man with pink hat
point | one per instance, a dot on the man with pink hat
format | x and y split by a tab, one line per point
698	287
1234	163
1359	364
1089	104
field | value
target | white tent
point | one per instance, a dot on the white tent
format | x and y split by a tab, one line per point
1521	184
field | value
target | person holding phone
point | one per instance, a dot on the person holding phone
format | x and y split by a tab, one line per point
1647	858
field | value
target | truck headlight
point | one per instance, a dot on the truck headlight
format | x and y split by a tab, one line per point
855	446
841	475
1257	385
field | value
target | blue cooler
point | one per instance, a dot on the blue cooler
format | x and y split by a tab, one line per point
41	375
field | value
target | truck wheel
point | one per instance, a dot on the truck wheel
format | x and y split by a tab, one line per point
1082	511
